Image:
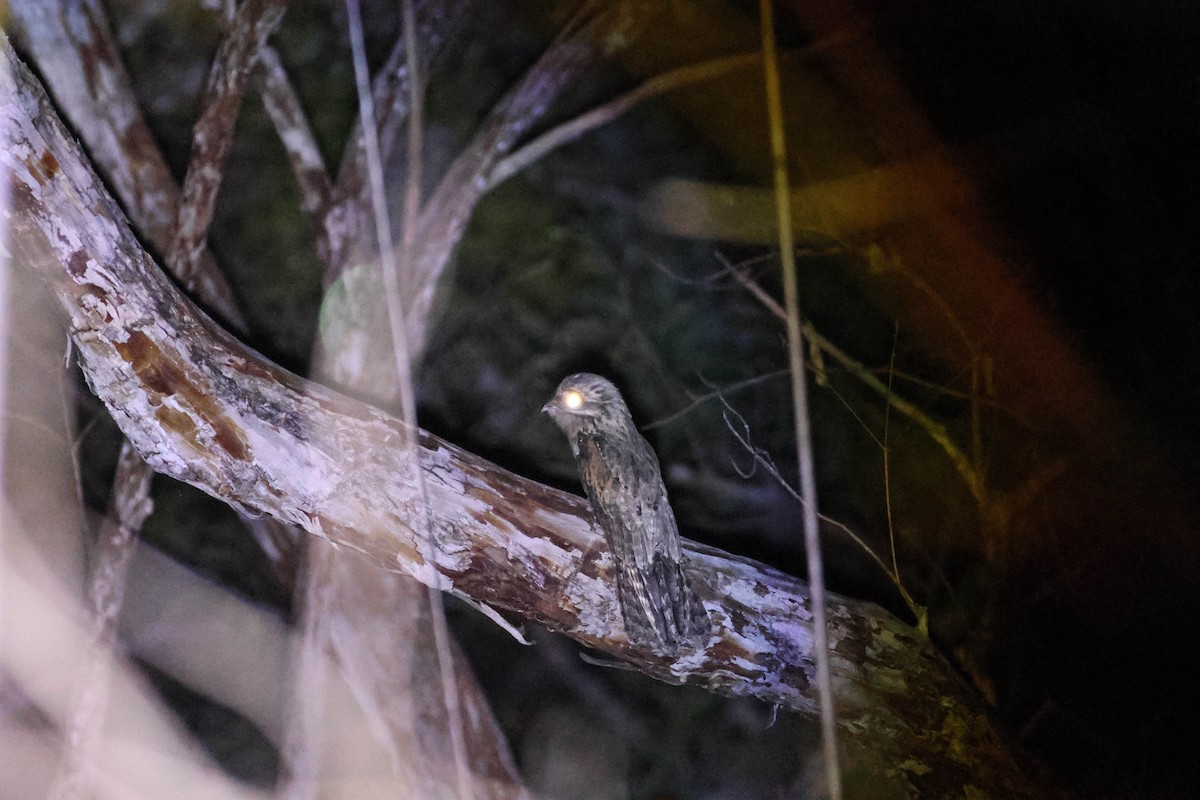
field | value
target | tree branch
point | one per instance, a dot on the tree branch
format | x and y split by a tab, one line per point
295	134
212	136
603	114
204	409
577	48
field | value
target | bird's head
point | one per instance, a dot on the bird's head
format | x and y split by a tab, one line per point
584	401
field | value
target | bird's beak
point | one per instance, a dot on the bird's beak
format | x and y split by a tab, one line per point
546	408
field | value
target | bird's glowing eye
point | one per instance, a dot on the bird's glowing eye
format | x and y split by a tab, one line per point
573	400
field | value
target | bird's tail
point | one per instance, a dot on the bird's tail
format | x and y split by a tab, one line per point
660	607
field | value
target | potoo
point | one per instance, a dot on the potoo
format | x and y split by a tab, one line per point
621	475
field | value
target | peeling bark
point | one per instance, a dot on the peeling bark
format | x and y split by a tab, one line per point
203	408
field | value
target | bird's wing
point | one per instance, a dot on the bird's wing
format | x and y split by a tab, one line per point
628	499
630	503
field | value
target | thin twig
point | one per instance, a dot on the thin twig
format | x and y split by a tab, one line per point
760	294
597	117
399	334
974	357
700	400
933	429
804	450
919	611
887	476
763	459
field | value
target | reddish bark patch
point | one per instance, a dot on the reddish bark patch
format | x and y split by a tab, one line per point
182	425
48	167
161	375
726	652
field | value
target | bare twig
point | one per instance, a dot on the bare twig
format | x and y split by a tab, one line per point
720	393
601	115
975	359
921	612
933	429
760	294
887	473
763	459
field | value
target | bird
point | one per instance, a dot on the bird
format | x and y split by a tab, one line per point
621	476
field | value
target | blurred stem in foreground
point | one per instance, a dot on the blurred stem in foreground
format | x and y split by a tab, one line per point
397	319
804	454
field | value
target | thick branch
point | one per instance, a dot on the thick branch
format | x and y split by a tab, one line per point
204	409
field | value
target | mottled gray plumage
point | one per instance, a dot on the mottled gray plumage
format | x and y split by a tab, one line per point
621	475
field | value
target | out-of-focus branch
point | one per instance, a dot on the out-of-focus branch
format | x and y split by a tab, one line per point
393	263
206	410
144	752
799	381
106	593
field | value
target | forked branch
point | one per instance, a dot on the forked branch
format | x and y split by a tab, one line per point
204	409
